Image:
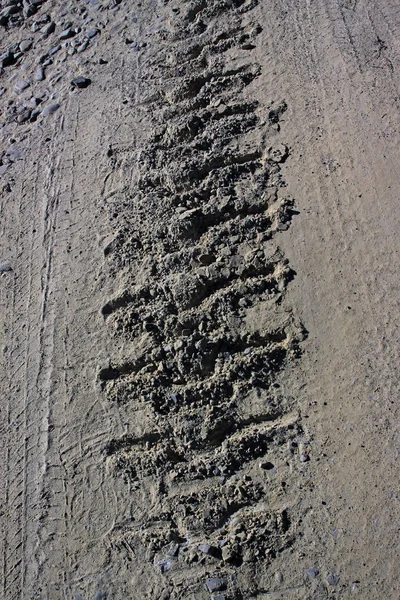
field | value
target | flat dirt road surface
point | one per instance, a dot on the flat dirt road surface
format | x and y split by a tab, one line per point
199	282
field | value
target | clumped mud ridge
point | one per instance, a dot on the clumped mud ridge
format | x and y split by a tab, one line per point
203	316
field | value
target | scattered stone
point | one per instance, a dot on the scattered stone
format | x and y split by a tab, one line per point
206	259
21	85
92	33
101	61
46	30
7	58
5	268
174	550
54	50
25	45
34	114
24	116
40	74
81	82
312	573
82	47
247	46
50	110
267	466
304	457
66	34
215	584
332	579
188	213
278	154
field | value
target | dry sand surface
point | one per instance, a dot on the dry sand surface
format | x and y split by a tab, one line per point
199	279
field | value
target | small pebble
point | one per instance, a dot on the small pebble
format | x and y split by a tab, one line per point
92	33
21	85
50	110
25	45
5	268
215	584
39	75
81	82
54	50
332	579
48	29
67	33
312	573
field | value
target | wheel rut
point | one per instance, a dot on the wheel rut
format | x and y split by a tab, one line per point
202	319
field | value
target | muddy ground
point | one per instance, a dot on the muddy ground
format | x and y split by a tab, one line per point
199	261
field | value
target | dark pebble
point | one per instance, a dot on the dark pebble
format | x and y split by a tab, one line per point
39	75
25	45
332	579
5	268
66	34
50	110
21	85
215	584
48	29
312	573
54	50
81	82
92	33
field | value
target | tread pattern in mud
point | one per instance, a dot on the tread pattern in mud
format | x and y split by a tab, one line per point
203	314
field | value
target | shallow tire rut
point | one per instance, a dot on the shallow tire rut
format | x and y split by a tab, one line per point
203	316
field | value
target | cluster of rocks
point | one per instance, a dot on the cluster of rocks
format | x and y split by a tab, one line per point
203	315
45	53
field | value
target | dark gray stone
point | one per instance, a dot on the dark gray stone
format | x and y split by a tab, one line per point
312	573
24	116
40	75
48	29
92	33
215	584
25	45
66	34
5	268
332	579
81	82
50	110
21	85
82	47
54	50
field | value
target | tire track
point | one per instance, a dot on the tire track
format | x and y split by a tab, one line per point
204	317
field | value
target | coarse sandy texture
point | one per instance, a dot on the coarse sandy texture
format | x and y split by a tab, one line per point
199	300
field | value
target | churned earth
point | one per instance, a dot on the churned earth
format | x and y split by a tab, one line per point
199	279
